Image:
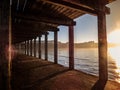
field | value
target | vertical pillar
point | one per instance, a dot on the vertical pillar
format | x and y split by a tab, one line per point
55	47
46	46
71	47
39	47
34	47
102	48
25	48
28	47
31	47
5	45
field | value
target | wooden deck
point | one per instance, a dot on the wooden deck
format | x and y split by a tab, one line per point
29	73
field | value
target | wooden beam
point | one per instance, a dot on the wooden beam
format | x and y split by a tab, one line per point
71	6
89	4
44	19
32	27
20	39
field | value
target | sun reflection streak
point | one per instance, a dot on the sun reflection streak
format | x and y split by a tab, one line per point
114	53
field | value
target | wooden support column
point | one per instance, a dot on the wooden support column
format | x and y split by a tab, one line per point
55	47
34	47
102	48
39	47
28	47
5	45
46	46
31	47
25	47
71	47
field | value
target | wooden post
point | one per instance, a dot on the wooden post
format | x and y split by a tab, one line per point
71	47
55	47
46	46
39	47
5	45
28	47
34	47
102	48
31	47
25	48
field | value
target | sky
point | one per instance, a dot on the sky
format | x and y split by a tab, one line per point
86	26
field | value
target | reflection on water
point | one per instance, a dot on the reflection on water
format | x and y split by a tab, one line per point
86	60
114	53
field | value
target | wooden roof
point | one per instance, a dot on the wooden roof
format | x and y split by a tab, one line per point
30	18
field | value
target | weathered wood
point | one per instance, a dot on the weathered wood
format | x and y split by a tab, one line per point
46	46
89	4
39	47
28	47
102	48
45	19
31	47
30	25
34	47
55	47
25	48
5	45
71	47
65	4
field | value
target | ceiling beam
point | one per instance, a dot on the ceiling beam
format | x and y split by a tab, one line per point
92	4
90	7
71	5
39	18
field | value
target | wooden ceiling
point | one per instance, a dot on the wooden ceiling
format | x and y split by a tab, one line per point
31	18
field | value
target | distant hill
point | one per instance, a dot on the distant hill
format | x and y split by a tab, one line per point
89	44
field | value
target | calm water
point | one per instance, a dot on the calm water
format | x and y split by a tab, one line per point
86	60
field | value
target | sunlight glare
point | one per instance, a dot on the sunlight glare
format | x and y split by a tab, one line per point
114	37
114	53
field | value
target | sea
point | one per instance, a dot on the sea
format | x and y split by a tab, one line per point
86	60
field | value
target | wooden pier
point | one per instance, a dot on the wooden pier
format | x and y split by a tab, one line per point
31	73
23	21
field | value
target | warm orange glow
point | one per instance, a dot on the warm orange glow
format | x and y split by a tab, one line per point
114	53
114	37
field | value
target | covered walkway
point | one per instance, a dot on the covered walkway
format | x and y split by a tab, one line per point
22	21
31	73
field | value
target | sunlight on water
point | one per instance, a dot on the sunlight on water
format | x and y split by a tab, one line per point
114	53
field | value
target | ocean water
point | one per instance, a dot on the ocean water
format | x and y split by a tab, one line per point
86	60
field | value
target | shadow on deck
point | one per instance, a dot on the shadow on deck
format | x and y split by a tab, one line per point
29	73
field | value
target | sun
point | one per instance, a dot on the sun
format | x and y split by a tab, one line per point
114	37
